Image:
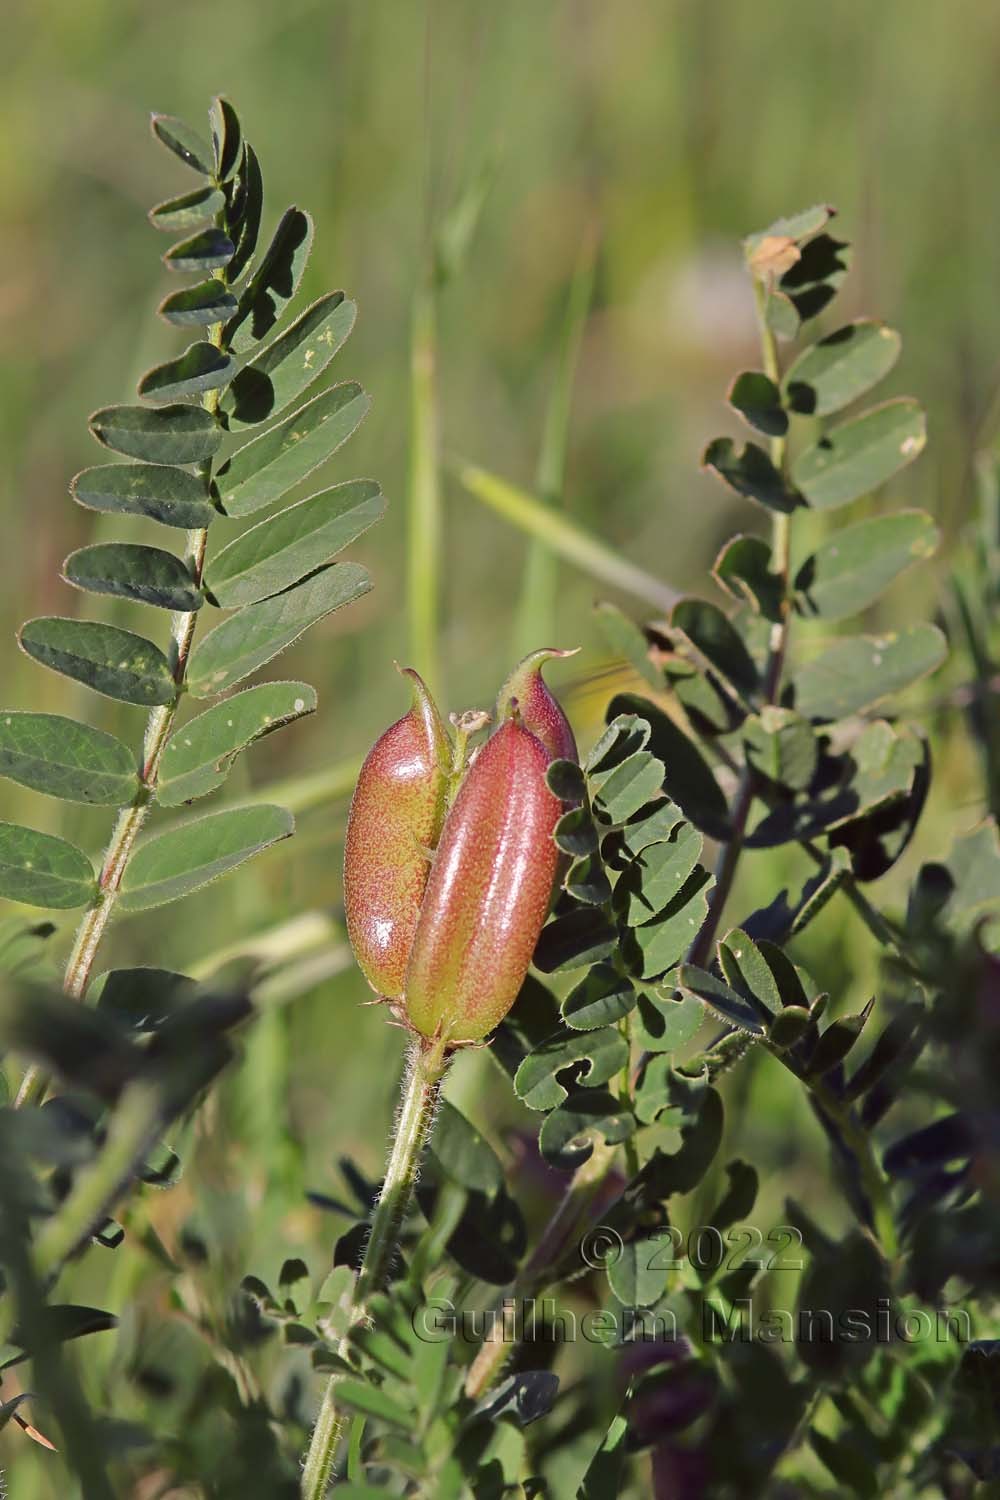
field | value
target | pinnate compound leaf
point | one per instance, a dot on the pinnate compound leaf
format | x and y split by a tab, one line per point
163	493
200	755
192	148
184	859
657	875
566	1136
245	223
716	639
743	570
167	435
114	662
202	367
198	306
205	251
855	565
264	469
750	473
147	574
290	364
62	758
857	456
688	778
622	790
189	210
40	870
841	367
858	671
638	1276
595	1057
279	551
781	746
600	999
748	973
273	284
655	947
251	638
662	1023
625	637
758	400
227	138
720	997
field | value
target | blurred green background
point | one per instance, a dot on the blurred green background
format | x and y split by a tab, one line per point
665	129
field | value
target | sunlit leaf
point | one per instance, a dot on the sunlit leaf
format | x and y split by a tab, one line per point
857	563
146	574
289	365
202	367
249	639
273	284
279	551
197	306
841	367
169	435
188	210
63	758
200	754
114	662
858	456
192	149
40	870
264	469
184	859
858	671
165	494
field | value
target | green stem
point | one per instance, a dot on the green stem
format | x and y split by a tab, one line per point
873	1179
424	492
418	1104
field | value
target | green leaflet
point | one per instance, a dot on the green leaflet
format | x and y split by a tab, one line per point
205	251
169	435
165	494
758	400
858	671
63	758
290	364
147	574
856	457
175	863
252	637
273	284
750	473
263	470
192	148
603	1053
200	754
188	210
250	190
841	367
227	138
855	565
716	639
197	306
40	870
114	662
202	367
658	874
278	552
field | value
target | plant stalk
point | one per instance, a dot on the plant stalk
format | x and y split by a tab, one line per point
419	1095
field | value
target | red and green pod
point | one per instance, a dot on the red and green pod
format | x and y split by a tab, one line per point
538	710
395	821
488	893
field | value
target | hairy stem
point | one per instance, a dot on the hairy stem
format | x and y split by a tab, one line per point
418	1103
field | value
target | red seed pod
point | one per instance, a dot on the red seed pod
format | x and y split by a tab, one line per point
538	709
488	892
395	821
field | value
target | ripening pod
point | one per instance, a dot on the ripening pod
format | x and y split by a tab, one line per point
539	712
488	892
394	824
